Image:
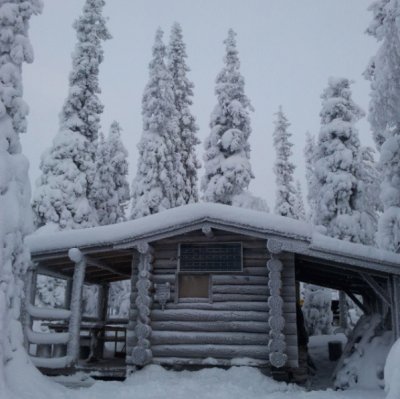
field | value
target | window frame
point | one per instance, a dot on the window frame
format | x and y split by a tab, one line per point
210	271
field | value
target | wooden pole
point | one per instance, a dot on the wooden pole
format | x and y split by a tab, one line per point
30	292
142	354
395	305
73	346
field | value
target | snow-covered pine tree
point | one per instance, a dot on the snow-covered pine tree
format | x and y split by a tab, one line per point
248	200
110	188
158	184
285	201
15	212
68	167
384	74
299	209
183	94
227	150
317	309
367	201
309	157
337	163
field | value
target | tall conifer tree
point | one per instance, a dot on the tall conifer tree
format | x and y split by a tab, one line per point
68	167
158	184
227	150
384	115
111	188
337	164
285	192
15	211
183	94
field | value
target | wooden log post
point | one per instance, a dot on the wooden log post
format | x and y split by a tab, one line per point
73	346
395	305
141	353
276	321
130	329
29	299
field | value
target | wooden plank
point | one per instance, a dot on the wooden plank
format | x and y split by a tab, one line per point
223	326
207	315
221	351
173	361
238	280
288	307
215	338
240	289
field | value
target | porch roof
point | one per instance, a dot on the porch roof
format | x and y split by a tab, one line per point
297	236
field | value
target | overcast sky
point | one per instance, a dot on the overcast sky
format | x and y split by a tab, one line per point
287	48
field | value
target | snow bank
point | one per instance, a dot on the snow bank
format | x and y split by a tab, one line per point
392	372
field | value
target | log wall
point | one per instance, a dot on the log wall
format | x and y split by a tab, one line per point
234	322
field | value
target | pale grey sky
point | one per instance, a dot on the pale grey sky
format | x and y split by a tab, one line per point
288	49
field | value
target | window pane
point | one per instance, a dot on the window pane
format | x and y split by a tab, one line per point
211	257
193	286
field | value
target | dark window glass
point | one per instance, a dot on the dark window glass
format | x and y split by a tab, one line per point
211	257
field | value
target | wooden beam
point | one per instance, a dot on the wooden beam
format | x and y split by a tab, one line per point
378	290
74	327
46	271
361	305
101	265
395	305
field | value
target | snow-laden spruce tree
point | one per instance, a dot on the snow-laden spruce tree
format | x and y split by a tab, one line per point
183	94
227	150
15	212
110	188
384	116
309	157
299	208
159	182
68	167
336	164
285	200
367	201
317	309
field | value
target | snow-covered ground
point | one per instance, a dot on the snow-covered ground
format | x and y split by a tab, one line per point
154	382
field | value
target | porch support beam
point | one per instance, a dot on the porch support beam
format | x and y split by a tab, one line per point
103	266
276	321
142	354
378	290
362	306
76	304
395	305
30	292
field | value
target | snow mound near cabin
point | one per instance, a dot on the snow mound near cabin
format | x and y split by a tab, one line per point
392	372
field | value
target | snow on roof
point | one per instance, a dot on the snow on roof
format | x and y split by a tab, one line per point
169	221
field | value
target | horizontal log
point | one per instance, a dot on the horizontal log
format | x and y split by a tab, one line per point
255	270
238	280
240	289
207	315
288	307
52	362
222	326
202	338
46	338
248	297
173	361
221	351
233	306
48	313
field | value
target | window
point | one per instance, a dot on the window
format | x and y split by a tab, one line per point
194	286
221	257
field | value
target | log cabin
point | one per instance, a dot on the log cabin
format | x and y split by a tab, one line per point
211	285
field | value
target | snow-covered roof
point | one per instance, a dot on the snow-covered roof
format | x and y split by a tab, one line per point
299	236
